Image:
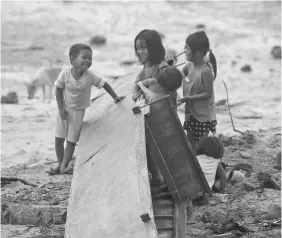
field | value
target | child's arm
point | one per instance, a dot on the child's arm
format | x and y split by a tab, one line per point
222	177
146	83
59	85
112	92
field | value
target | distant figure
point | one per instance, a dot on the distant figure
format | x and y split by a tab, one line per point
198	91
43	77
209	151
151	54
73	90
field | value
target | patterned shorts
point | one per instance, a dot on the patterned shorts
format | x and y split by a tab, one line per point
199	128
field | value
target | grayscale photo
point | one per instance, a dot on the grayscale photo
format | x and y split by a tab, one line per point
140	119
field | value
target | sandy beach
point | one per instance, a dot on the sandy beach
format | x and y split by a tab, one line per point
241	33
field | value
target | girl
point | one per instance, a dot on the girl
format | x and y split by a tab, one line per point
209	152
151	54
198	92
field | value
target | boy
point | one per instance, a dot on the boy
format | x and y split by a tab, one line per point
73	90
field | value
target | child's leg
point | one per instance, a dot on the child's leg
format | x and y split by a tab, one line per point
75	120
67	157
59	147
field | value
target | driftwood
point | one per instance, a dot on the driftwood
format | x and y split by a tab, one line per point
38	215
7	180
227	98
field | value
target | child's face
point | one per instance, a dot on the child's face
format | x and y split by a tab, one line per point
83	60
188	53
142	50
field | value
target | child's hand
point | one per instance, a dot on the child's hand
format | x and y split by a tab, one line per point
118	99
135	96
63	113
179	102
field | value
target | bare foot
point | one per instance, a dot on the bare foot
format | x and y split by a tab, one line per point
54	171
68	171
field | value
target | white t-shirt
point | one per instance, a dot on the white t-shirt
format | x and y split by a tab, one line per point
209	167
77	92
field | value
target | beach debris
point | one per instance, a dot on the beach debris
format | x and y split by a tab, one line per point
273	212
221	102
248	186
263	176
246	68
245	155
276	223
10	98
235	176
233	62
200	26
7	180
98	40
269	183
276	52
128	62
277	162
218	198
230	110
244	167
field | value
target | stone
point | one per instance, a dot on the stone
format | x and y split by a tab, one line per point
98	40
200	26
277	162
245	155
246	68
10	98
276	52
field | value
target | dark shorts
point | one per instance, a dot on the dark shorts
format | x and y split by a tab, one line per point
199	128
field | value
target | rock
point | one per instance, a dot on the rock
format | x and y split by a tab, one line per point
200	26
269	183
233	62
98	40
276	52
277	162
263	176
235	176
161	35
245	155
127	62
245	167
246	68
221	102
274	212
34	47
11	98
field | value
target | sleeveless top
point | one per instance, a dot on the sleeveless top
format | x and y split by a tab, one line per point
203	110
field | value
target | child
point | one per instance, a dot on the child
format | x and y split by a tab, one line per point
151	54
73	89
198	92
166	83
209	152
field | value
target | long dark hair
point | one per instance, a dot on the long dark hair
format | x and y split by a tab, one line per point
199	42
156	51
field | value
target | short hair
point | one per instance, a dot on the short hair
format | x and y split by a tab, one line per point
156	51
170	78
210	146
76	48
